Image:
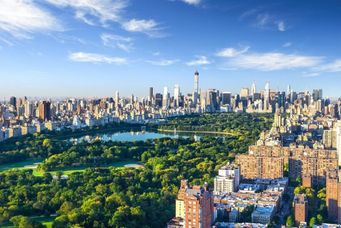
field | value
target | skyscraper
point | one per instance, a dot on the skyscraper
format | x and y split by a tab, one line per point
226	98
267	96
196	87
158	99
253	88
28	109
289	90
13	101
212	100
317	94
44	109
176	95
151	94
244	92
165	102
117	98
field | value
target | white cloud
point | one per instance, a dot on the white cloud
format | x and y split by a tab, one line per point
82	16
87	10
310	74
192	2
200	60
287	44
121	42
231	52
330	67
149	27
163	62
21	18
267	21
263	20
274	61
92	11
7	42
281	26
96	58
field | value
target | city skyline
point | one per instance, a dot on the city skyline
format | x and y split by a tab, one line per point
60	48
170	113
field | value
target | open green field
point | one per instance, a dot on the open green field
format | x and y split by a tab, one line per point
47	221
29	164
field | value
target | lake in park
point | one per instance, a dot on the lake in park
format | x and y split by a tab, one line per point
124	136
137	136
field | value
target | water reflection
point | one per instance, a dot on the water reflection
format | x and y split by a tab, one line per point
135	136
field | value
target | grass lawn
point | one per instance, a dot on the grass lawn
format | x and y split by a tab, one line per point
67	171
19	165
47	221
29	164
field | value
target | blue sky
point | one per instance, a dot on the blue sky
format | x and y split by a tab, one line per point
89	48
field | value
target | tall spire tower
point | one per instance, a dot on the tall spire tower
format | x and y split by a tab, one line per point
267	96
253	88
196	87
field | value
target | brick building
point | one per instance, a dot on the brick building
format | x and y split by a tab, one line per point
268	162
194	207
333	195
300	209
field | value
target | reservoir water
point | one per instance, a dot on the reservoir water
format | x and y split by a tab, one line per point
128	136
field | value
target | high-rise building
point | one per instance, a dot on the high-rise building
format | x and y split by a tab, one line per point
177	95
151	94
268	161
260	166
28	109
13	101
226	98
158	99
279	119
317	94
289	89
267	96
117	98
212	100
338	141
253	89
300	209
44	110
196	88
329	139
165	101
333	195
194	206
227	180
244	92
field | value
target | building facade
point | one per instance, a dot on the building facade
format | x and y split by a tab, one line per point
194	207
228	179
300	209
333	195
268	162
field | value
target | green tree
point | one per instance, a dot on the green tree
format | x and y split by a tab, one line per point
312	221
290	222
47	142
25	222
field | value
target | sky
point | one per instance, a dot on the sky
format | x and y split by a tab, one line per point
92	48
